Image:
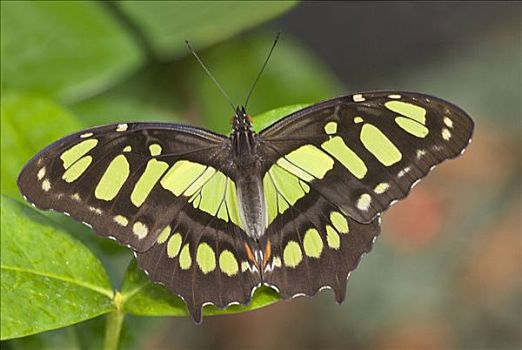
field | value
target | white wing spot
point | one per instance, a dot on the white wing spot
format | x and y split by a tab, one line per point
127	149
121	220
76	197
394	96
41	173
122	127
446	134
271	286
254	289
244	266
140	229
381	188
297	295
404	171
276	261
448	122
324	287
420	153
84	136
358	98
269	267
364	201
46	185
95	210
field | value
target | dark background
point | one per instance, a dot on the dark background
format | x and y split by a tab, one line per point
367	42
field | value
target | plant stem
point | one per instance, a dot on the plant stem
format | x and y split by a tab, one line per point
114	324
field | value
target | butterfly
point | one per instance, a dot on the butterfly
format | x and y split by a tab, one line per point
213	217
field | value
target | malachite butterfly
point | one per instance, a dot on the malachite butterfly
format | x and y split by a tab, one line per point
212	217
294	206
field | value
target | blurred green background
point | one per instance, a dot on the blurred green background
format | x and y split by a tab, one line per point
446	271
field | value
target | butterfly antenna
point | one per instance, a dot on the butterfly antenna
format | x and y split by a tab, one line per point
262	68
210	75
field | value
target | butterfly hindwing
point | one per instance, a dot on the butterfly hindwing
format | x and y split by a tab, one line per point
364	151
203	260
311	245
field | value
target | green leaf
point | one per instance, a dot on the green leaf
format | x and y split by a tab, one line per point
266	119
49	280
64	49
143	297
167	24
148	95
292	76
29	123
65	338
110	108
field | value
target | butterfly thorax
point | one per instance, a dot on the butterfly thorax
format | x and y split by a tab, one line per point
244	139
249	186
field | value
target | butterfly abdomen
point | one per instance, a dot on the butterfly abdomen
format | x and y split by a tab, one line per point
251	199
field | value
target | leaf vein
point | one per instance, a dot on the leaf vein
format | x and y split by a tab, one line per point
106	292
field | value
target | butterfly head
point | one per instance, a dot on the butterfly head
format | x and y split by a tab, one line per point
241	121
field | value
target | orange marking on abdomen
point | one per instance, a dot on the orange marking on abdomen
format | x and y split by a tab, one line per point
268	253
250	254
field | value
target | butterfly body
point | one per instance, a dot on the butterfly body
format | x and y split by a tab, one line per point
247	165
294	206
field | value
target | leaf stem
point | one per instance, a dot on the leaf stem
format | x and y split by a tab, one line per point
114	324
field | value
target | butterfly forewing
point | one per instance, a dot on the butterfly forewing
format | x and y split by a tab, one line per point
109	177
370	148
